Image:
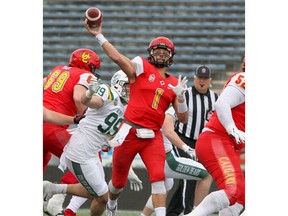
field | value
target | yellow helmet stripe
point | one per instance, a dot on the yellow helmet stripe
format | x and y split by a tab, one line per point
110	95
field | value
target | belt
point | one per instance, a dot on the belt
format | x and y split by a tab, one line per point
131	124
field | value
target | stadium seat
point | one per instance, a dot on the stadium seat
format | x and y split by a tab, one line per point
203	31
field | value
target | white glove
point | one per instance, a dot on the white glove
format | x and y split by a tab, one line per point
135	182
190	151
93	86
181	87
238	135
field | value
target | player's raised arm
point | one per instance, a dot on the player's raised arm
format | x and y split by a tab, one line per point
122	61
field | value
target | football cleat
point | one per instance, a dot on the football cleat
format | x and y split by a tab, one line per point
69	212
55	204
110	212
47	194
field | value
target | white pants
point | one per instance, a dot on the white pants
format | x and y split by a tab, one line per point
91	175
183	168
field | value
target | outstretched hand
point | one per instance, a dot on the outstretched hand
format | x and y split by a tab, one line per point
93	86
180	88
135	182
190	151
237	134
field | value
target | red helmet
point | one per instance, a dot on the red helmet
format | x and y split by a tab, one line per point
85	59
161	43
243	64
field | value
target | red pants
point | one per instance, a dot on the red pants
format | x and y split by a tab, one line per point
54	139
151	151
217	154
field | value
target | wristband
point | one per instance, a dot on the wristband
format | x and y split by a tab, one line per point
88	94
101	39
182	107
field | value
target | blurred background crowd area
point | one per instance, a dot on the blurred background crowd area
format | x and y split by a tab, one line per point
210	32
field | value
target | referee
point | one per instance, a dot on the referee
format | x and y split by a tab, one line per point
200	100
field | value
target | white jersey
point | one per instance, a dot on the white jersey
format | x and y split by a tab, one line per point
167	144
96	128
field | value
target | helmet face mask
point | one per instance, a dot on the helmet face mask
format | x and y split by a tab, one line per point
156	56
120	84
85	59
92	68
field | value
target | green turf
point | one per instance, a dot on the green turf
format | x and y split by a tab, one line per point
85	212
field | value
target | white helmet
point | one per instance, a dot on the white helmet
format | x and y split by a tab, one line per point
118	80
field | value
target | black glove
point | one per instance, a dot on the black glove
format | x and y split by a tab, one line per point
77	118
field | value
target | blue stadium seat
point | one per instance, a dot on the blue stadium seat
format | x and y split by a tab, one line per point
203	31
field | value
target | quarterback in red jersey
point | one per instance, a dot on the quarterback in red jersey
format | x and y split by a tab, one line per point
63	89
152	90
216	149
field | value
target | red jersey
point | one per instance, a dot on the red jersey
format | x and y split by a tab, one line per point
150	96
238	113
59	88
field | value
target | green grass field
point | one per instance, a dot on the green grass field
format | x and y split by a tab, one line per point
85	212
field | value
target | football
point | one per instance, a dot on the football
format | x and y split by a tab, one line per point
94	17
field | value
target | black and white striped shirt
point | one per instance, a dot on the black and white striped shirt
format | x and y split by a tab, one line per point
200	108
